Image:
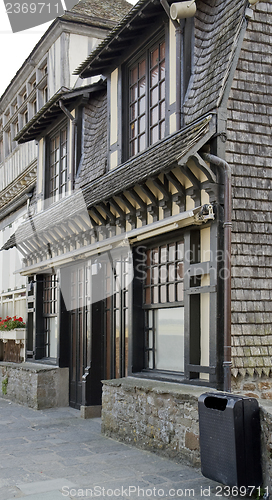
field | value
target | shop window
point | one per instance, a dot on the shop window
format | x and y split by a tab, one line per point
164	307
50	310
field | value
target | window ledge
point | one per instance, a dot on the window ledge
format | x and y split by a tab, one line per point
185	391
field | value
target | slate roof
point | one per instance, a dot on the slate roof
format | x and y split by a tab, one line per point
51	110
150	163
217	24
114	10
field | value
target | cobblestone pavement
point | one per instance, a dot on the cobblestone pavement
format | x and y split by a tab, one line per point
54	454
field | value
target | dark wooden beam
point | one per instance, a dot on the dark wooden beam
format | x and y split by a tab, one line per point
117	208
148	193
176	183
137	198
159	185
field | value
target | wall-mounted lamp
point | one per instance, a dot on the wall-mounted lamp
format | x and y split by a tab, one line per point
182	10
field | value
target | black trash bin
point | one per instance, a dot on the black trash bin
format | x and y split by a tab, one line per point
229	431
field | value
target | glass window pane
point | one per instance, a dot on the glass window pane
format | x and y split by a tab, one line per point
134	75
164	254
163	294
154	256
154	57
155	275
180	250
162	110
162	130
133	111
170	339
180	271
142	145
180	295
162	90
133	147
154	115
142	87
142	124
155	298
163	274
154	96
154	76
162	70
162	50
53	328
142	69
154	134
171	252
171	272
142	105
133	93
133	130
171	293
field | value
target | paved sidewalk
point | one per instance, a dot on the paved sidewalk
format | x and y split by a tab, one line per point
54	454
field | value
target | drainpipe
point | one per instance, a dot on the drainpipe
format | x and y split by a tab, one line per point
227	261
74	124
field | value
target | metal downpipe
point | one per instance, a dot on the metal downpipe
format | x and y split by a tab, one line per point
227	264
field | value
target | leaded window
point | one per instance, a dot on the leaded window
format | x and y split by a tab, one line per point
164	307
147	99
58	164
50	291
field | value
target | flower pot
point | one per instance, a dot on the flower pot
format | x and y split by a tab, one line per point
13	344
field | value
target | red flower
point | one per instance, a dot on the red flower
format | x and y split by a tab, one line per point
20	319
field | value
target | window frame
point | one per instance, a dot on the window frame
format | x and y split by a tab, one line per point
50	299
160	34
154	372
63	124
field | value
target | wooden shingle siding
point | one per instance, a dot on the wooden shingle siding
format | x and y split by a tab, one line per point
93	162
216	23
249	152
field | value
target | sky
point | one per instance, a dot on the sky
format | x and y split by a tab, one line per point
15	47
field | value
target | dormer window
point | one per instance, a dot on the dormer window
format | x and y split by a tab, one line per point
147	99
57	181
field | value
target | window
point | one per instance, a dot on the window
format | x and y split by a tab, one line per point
58	164
50	315
34	107
164	307
45	94
147	99
8	142
25	117
1	151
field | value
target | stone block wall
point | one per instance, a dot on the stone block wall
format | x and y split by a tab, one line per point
33	385
163	417
155	416
253	387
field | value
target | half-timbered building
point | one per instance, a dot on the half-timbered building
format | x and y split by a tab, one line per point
132	253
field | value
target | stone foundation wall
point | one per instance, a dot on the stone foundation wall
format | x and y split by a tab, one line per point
253	387
163	417
155	416
33	385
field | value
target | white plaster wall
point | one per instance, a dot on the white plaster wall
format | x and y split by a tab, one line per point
10	260
54	68
79	49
